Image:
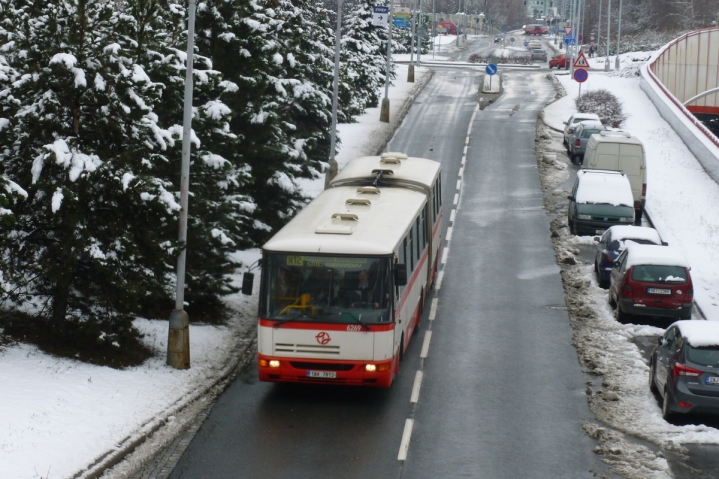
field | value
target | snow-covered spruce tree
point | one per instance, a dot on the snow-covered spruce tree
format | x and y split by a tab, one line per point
83	141
220	207
363	59
269	91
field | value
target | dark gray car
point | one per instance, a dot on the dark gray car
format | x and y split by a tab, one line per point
684	368
538	55
577	144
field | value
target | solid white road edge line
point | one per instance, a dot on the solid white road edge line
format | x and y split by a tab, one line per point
415	388
425	344
406	436
433	309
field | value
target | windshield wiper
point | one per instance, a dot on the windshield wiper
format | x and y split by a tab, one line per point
288	320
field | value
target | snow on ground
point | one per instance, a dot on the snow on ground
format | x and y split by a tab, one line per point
57	416
685	215
620	396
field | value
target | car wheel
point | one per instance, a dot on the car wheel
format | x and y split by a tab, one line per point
596	270
622	317
612	301
652	384
572	228
667	413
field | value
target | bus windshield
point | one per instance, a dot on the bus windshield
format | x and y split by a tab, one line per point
327	289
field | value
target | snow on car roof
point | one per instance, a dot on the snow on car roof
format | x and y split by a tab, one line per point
654	254
699	333
623	232
604	187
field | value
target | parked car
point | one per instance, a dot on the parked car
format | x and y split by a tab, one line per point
498	38
599	199
560	61
653	281
684	369
613	242
580	137
620	151
570	124
538	55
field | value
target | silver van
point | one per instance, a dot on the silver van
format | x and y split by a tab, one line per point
620	151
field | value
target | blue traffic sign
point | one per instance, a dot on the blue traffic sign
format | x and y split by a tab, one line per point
580	75
526	44
491	69
570	41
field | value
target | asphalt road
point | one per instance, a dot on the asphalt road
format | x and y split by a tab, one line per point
502	392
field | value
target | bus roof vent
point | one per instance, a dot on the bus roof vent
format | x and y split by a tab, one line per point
390	160
383	172
334	229
358	201
368	190
346	216
394	154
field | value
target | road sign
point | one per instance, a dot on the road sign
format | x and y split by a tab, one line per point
491	69
511	39
526	44
570	41
581	61
380	16
580	75
567	29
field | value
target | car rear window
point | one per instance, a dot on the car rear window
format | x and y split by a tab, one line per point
588	133
652	273
706	356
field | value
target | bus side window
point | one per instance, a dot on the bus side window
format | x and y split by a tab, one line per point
410	251
439	186
418	233
424	229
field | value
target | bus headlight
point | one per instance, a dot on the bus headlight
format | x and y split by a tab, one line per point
370	368
274	363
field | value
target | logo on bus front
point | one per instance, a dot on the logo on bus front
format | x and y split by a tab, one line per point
323	338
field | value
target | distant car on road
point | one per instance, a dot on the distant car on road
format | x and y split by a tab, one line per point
560	61
599	199
498	38
651	281
450	28
538	55
684	369
577	144
572	123
614	241
534	29
534	44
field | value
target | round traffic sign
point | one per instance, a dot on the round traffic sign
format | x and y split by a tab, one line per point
491	69
580	75
526	44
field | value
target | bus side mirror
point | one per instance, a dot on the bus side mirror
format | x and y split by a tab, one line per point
400	274
247	281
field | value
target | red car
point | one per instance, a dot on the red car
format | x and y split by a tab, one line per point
449	28
651	280
534	29
560	61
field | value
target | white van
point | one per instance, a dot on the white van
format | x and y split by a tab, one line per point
620	151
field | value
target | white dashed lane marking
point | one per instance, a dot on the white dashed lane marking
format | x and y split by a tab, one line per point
406	436
425	344
433	309
415	389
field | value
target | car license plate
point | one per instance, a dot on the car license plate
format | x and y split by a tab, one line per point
712	380
322	374
659	291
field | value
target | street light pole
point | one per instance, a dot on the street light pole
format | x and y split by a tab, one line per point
410	70
178	340
609	22
419	33
459	9
335	91
599	27
384	110
619	34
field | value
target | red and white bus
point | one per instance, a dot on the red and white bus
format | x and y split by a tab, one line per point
344	282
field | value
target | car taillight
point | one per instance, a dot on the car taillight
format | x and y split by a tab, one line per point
689	295
644	190
578	142
627	291
681	370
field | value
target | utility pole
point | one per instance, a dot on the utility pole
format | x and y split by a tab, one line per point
410	70
335	91
178	340
609	22
459	9
384	110
599	27
419	33
619	34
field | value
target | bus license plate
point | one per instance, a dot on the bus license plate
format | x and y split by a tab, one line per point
659	291
712	380
322	374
